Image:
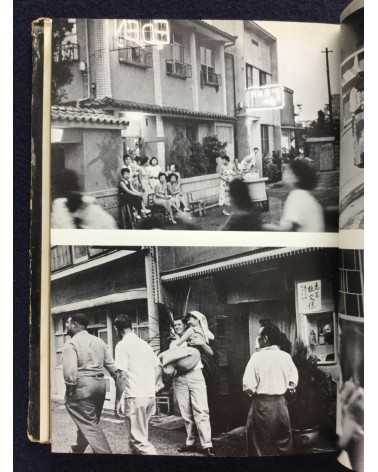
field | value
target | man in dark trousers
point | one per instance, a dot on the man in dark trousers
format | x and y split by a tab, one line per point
269	374
84	359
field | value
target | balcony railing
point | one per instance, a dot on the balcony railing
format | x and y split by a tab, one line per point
68	52
178	69
136	56
210	78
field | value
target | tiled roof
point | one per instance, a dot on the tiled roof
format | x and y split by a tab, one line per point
128	105
85	115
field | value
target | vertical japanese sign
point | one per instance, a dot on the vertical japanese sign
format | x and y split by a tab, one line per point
309	296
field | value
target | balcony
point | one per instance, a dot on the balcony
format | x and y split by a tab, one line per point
136	56
178	69
210	78
68	52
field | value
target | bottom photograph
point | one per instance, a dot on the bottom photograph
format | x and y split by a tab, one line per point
203	351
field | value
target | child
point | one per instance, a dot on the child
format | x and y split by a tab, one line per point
301	212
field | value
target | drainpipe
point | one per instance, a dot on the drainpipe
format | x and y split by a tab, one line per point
88	66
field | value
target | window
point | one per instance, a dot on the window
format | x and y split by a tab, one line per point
61	257
135	55
61	336
176	65
321	336
208	75
264	77
351	283
249	75
65	256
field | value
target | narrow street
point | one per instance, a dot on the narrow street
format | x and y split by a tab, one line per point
167	433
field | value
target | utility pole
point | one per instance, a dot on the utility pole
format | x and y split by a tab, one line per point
327	52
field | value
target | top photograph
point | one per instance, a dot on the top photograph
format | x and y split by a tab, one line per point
229	125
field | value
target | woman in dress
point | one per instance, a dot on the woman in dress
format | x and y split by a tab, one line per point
130	200
162	198
174	190
226	175
144	177
154	171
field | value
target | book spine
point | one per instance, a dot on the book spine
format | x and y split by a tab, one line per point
39	392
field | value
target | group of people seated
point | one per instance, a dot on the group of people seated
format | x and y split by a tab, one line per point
141	177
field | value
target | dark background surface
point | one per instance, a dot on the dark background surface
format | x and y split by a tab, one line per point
35	457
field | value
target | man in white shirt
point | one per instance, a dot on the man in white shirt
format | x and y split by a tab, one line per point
191	394
140	368
269	374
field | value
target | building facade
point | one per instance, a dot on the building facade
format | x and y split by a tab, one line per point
236	288
103	283
176	92
255	59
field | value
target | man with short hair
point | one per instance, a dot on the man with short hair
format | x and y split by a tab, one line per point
140	368
84	359
191	394
269	374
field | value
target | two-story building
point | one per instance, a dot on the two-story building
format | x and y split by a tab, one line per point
181	90
255	60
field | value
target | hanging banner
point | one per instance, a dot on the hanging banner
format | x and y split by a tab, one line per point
309	296
142	33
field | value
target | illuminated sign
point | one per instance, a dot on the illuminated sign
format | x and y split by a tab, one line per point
266	97
143	33
309	296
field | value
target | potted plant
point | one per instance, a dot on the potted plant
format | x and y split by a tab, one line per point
312	402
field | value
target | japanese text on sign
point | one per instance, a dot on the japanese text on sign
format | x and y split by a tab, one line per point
153	33
309	295
266	97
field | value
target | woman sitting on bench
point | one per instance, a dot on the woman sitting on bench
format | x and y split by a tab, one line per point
129	197
161	197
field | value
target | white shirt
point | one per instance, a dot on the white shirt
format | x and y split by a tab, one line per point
302	209
269	372
138	360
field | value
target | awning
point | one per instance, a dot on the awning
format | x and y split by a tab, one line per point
235	263
128	295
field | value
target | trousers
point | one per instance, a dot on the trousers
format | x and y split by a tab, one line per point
138	412
84	406
268	426
191	394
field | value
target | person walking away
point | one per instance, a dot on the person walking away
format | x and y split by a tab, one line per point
243	215
226	175
162	198
141	370
84	358
301	212
72	209
129	199
191	394
269	373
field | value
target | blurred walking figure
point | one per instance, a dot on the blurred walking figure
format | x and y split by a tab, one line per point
84	359
301	212
226	175
141	371
73	209
269	374
243	215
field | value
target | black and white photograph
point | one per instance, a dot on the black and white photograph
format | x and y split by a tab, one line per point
352	125
203	351
195	124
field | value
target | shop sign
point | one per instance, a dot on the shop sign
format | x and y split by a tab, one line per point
309	296
266	97
142	33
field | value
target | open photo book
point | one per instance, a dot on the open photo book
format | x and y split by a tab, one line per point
197	237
